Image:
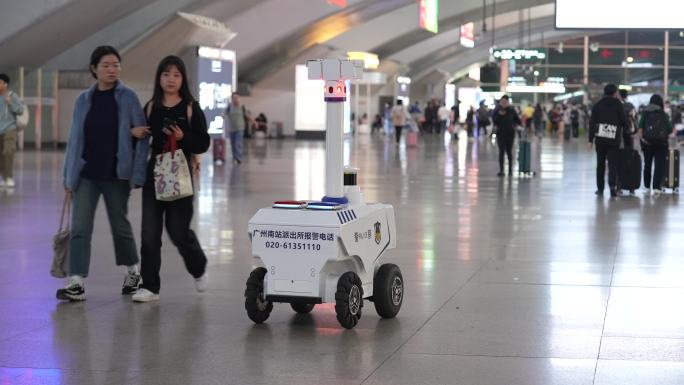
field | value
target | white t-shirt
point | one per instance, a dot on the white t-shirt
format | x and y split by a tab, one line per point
443	113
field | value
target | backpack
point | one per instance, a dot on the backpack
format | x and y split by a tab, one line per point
574	116
22	119
483	116
655	127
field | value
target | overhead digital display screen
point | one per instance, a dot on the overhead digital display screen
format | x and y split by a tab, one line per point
622	14
428	14
216	72
468	35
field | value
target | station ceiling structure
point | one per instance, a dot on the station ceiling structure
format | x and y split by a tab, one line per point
272	35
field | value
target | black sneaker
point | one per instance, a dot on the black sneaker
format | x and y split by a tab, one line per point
73	292
598	192
131	283
614	193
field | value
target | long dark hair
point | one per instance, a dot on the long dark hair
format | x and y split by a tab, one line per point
165	65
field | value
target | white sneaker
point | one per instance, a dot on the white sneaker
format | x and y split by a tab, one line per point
9	182
656	193
144	295
202	283
647	191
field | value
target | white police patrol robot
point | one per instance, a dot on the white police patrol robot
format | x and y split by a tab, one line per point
328	251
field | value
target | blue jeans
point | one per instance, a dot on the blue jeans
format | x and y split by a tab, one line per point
85	198
236	144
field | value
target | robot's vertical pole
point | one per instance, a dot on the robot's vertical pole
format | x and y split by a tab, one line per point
334	157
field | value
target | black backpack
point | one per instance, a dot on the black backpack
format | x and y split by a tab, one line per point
655	127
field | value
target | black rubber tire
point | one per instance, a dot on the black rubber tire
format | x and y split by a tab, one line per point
348	310
302	308
258	310
387	297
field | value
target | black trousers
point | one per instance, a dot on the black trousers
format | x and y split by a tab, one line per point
657	153
397	132
610	153
178	217
505	147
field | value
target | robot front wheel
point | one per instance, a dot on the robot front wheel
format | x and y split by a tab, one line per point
349	300
258	309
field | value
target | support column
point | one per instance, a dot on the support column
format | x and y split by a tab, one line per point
368	103
55	108
39	109
20	136
585	71
666	67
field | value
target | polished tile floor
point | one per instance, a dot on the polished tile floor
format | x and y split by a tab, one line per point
509	281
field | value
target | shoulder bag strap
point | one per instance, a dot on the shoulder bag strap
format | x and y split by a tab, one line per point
66	210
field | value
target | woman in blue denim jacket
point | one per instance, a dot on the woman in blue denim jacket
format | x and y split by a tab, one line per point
104	158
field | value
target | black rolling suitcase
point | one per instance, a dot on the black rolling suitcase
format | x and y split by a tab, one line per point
629	171
672	170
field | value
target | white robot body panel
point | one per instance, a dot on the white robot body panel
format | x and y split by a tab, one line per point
306	251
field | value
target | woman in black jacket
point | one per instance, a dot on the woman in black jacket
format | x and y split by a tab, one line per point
172	111
505	119
655	128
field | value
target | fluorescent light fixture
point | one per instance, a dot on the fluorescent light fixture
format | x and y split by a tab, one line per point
624	14
636	65
403	80
560	98
544	88
370	60
216	53
525	55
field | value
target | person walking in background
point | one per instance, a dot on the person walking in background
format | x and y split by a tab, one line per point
416	113
238	120
470	121
103	159
399	118
443	114
505	120
632	122
538	120
172	112
574	120
655	128
10	107
606	126
483	120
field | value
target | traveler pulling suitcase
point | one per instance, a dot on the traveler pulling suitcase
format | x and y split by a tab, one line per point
629	171
672	171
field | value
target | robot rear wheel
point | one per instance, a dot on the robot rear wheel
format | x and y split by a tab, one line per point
302	308
388	290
